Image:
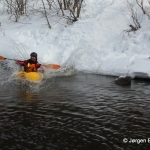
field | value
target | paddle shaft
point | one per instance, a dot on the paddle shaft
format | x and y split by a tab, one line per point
9	59
3	58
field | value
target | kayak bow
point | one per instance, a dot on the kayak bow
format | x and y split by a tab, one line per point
30	76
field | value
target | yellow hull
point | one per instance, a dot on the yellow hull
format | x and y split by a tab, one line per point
30	76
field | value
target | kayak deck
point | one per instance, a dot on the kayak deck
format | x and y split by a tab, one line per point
30	76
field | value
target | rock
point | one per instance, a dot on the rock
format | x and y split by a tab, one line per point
123	80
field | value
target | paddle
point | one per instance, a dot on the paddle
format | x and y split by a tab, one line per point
3	58
50	66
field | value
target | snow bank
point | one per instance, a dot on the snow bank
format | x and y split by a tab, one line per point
96	43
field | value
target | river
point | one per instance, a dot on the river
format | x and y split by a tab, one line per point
82	111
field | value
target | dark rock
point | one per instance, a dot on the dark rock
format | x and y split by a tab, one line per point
123	80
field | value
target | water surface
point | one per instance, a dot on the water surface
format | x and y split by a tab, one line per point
83	111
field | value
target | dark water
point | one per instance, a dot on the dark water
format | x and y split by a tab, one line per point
80	112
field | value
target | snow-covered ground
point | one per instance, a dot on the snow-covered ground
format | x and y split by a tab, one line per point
97	43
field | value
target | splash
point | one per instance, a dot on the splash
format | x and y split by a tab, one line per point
63	71
10	83
10	47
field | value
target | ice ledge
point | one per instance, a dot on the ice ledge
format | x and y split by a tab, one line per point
142	75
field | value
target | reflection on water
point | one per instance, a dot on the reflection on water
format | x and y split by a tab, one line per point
83	111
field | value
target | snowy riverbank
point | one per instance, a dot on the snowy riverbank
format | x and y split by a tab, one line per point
96	43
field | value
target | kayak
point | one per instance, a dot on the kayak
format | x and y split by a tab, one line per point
30	76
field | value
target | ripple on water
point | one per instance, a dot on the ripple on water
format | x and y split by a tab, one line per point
76	112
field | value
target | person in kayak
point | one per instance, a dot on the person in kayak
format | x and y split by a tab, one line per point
30	65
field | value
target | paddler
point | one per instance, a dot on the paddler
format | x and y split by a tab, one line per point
30	65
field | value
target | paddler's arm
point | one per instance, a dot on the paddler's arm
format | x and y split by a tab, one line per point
22	63
38	65
40	68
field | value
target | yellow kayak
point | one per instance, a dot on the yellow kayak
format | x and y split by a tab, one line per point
30	76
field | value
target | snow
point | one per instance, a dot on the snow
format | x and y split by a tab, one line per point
96	43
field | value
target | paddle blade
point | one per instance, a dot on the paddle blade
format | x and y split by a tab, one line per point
2	58
52	66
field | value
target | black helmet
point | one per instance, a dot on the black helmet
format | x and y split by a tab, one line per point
33	54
